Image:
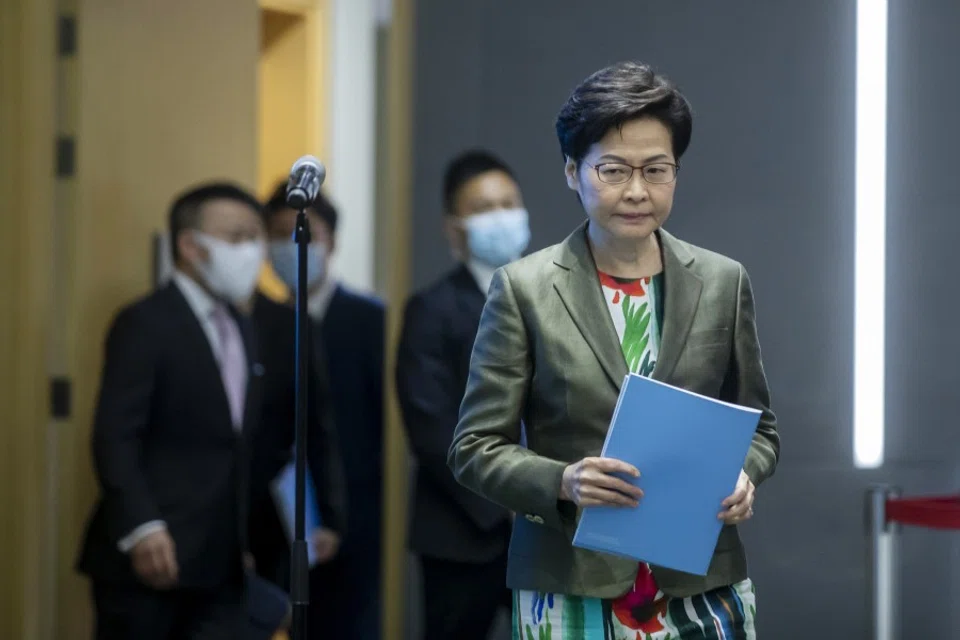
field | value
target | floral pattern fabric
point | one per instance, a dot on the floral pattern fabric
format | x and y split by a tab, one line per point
632	307
727	613
644	612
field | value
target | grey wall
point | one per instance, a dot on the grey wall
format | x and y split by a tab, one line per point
769	181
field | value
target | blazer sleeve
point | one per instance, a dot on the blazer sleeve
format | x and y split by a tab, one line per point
485	454
323	447
120	421
430	401
750	386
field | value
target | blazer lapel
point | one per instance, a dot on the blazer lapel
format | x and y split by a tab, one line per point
579	289
470	299
681	292
195	341
578	285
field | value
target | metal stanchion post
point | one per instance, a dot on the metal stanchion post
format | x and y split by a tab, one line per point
882	558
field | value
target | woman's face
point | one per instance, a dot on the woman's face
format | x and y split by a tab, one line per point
636	208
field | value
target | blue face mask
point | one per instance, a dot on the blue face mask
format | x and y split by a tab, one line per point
496	238
283	257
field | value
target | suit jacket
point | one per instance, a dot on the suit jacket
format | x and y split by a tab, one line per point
274	440
164	445
353	338
449	521
547	352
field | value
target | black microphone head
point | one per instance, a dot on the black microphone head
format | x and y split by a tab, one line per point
306	176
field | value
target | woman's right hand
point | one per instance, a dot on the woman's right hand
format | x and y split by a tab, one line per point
588	483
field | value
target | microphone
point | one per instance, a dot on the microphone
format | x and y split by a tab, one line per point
306	176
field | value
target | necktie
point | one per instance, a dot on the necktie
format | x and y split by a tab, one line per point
233	363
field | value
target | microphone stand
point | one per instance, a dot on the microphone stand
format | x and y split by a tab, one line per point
299	565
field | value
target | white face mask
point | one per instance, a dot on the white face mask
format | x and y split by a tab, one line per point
283	258
498	237
233	269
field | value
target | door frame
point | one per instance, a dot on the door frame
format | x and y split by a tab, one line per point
396	184
315	14
28	77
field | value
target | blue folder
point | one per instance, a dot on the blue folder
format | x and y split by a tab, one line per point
689	450
284	496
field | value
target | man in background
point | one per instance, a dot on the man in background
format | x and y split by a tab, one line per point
460	537
271	523
345	593
179	401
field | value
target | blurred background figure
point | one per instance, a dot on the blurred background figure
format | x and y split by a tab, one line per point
461	538
179	403
345	593
271	527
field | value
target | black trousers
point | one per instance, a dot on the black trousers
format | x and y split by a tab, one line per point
345	595
139	613
461	600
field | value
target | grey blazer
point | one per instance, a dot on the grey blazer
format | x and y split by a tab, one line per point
547	354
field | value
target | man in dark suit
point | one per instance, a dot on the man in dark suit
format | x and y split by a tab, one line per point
460	537
273	446
180	399
345	592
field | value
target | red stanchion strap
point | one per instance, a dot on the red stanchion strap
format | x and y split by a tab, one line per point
933	513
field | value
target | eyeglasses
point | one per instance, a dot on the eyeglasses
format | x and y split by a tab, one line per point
619	173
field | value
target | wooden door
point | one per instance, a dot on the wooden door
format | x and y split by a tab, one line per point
165	96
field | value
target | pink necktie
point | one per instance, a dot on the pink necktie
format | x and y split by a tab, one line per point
233	363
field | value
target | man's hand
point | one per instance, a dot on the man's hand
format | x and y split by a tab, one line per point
738	507
325	543
588	483
154	560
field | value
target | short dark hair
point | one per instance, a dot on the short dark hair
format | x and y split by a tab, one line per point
615	95
464	168
187	207
321	206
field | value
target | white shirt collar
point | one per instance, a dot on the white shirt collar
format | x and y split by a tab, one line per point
201	303
482	273
319	300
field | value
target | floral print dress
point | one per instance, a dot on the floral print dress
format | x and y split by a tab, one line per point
644	612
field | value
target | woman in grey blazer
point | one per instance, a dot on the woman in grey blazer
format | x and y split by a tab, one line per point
560	330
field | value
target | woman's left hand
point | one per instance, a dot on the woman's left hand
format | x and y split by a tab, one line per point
739	506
